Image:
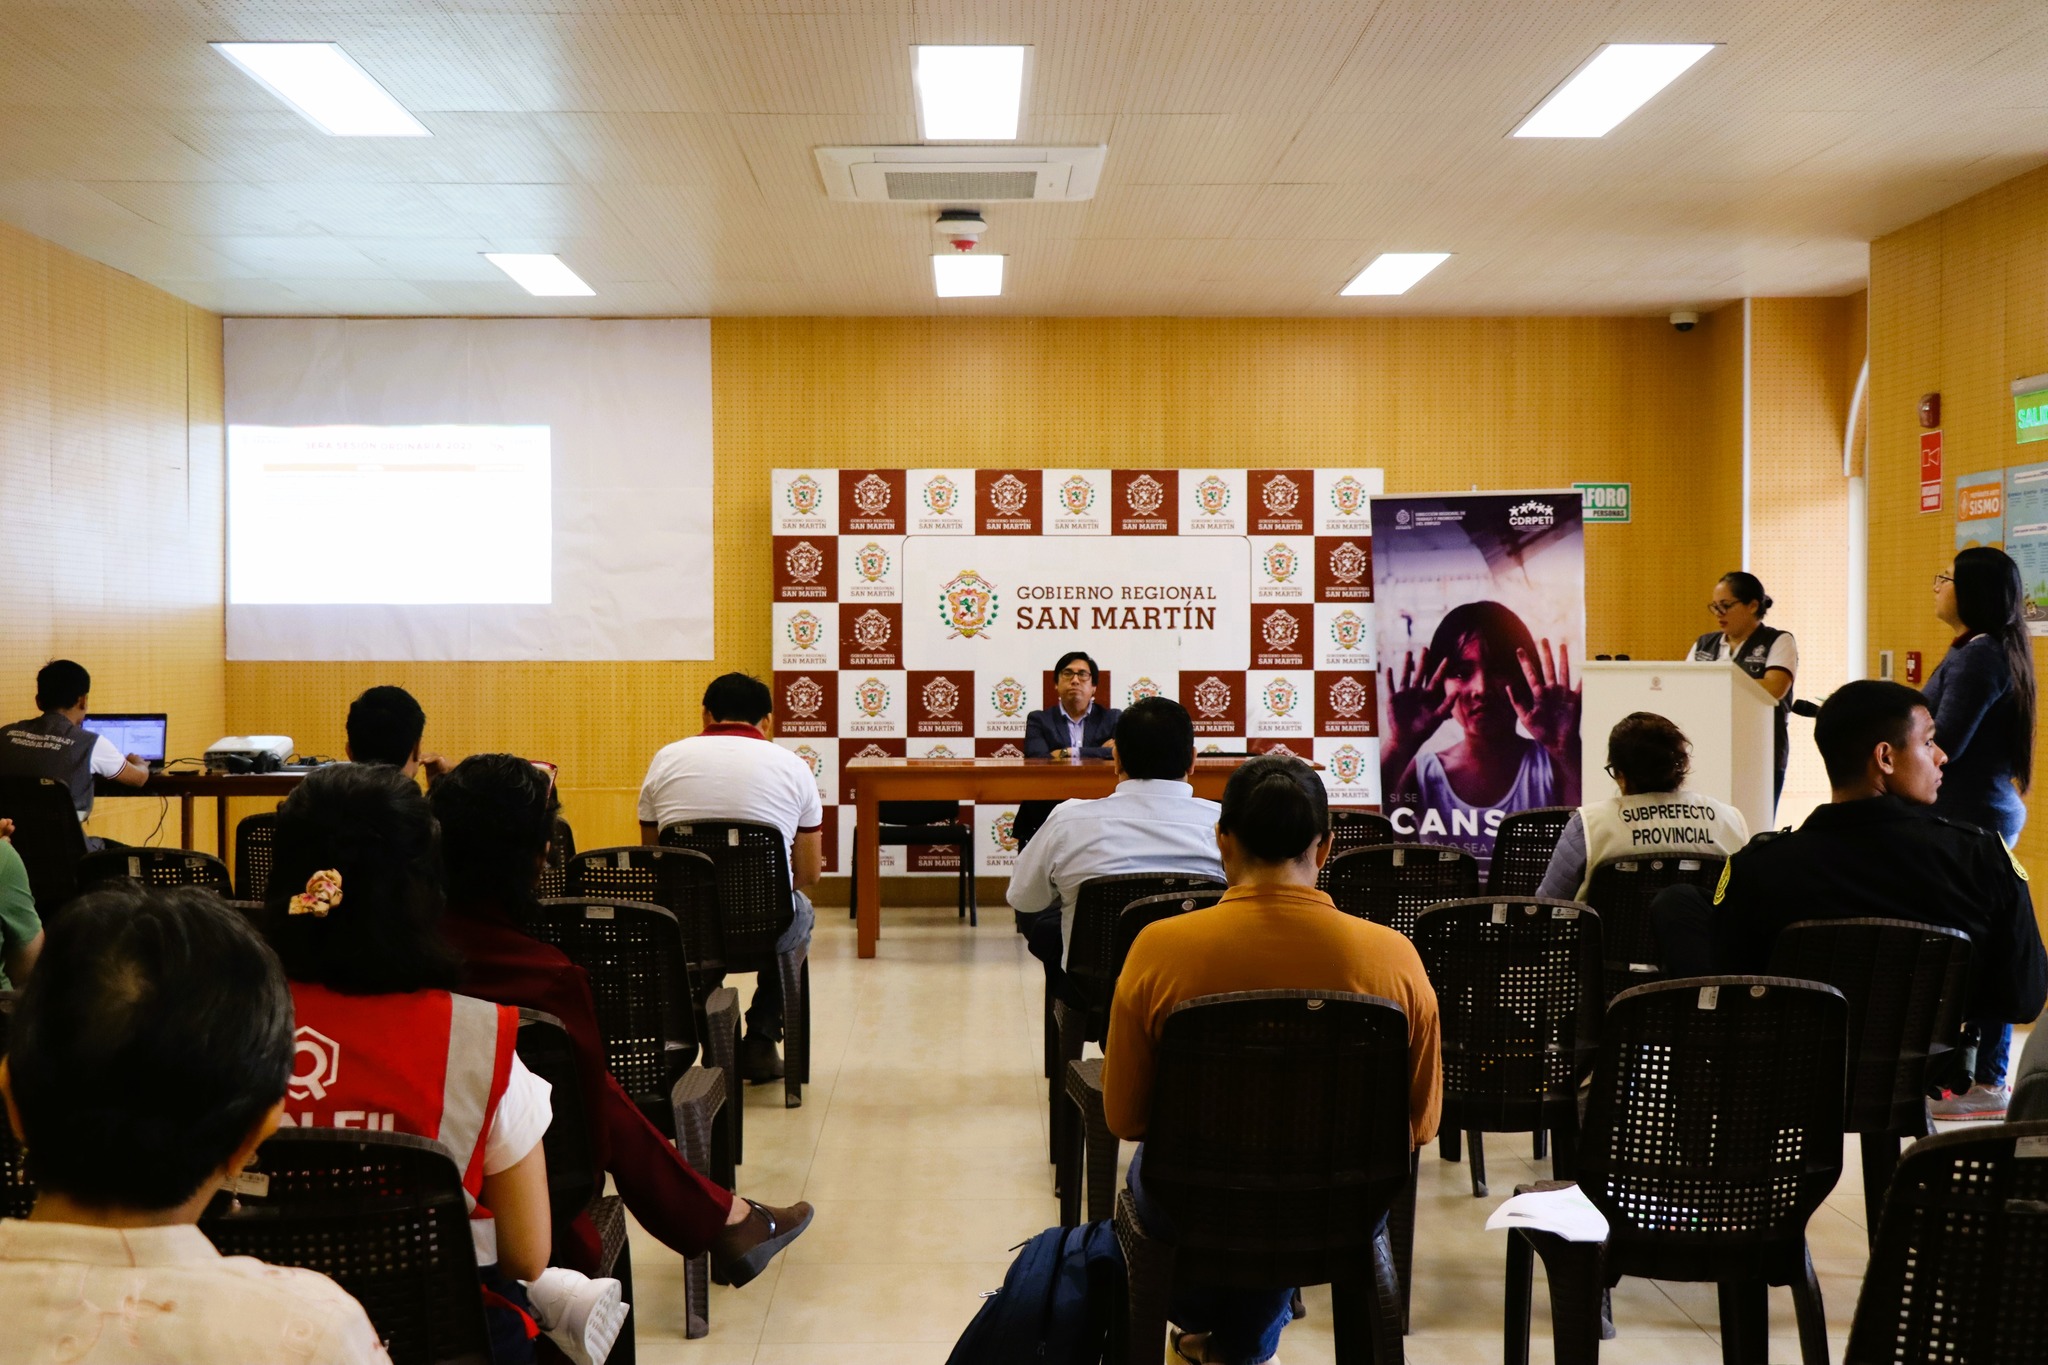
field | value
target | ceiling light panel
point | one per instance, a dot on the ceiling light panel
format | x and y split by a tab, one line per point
1620	79
969	94
1394	272
967	276
541	275
325	84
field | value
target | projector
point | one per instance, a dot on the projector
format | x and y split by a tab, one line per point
248	754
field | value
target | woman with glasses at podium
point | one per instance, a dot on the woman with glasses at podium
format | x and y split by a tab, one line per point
1768	654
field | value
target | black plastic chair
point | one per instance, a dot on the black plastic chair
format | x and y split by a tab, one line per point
1518	993
1092	966
1621	890
255	846
1712	1134
751	908
155	867
554	872
1088	1143
48	837
1961	1255
1522	849
1278	1143
944	823
1352	828
575	1182
1391	884
1904	983
382	1215
640	985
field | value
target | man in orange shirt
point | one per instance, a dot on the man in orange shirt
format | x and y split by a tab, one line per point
1271	931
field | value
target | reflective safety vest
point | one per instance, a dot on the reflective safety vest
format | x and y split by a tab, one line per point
428	1063
1657	823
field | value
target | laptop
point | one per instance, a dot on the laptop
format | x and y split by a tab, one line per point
139	734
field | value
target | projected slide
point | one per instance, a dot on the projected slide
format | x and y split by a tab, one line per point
397	515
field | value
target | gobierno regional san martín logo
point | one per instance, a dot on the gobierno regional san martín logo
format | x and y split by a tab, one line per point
1281	562
1077	495
804	494
968	605
1008	697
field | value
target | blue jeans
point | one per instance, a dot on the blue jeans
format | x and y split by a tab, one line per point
1243	1324
764	1012
1994	1045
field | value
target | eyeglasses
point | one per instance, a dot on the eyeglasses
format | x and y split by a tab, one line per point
549	769
1079	674
1942	578
1722	608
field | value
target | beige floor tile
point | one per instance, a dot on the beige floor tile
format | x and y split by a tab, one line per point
856	1353
916	1127
921	1231
1014	1172
877	1303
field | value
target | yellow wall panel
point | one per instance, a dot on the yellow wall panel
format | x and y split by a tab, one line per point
111	493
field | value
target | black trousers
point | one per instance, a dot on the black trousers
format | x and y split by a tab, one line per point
1682	918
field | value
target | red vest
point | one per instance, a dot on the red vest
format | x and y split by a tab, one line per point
426	1063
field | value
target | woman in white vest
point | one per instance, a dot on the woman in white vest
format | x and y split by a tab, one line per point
1648	757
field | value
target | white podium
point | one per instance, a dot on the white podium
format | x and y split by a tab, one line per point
1724	712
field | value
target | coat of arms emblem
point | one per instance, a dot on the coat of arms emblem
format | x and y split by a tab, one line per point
1008	751
1002	831
1142	690
967	604
1281	495
1077	495
940	751
812	757
871	630
1212	495
804	561
1281	562
1212	697
873	751
805	630
872	697
1347	495
1280	630
1348	765
1009	496
1348	697
1349	562
871	495
941	495
804	697
871	562
1146	495
804	495
1347	630
1280	697
941	696
1007	697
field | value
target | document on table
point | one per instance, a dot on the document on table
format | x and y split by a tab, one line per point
1566	1212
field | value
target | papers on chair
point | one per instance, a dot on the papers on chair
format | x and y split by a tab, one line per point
1566	1212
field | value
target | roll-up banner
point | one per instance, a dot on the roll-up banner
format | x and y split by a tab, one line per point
1481	612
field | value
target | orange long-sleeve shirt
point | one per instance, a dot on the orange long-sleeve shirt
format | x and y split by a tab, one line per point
1261	939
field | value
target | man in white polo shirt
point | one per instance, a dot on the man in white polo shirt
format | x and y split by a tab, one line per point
732	772
1152	822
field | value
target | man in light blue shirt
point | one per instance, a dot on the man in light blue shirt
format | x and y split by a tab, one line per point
1153	822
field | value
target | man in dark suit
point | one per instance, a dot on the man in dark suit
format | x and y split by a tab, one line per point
1077	727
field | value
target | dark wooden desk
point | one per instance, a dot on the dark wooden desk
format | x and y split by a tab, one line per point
974	779
221	786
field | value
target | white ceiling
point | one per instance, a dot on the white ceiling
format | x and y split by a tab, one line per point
1260	151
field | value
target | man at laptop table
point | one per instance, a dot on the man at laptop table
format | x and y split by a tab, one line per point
56	744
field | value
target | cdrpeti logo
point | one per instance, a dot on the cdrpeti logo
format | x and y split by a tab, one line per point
316	1063
1531	515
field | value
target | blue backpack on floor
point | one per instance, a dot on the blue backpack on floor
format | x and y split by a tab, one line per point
1057	1304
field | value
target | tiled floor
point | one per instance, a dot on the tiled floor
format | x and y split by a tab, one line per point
922	1142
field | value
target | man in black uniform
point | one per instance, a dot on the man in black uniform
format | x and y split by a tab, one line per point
1878	850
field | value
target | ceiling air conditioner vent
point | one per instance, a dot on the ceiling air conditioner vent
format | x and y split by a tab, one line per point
939	175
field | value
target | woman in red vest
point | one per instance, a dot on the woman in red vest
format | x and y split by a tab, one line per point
382	1042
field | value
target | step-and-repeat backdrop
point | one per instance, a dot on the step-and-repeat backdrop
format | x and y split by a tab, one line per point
919	612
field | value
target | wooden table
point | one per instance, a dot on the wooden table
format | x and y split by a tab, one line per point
223	787
974	779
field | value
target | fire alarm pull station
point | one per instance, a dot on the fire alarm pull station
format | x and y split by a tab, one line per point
1912	668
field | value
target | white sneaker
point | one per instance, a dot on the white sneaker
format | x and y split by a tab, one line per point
581	1315
1985	1102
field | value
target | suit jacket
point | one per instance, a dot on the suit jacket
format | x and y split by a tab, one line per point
1045	731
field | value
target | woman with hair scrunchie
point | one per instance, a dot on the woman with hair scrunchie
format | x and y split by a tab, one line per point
1768	654
1982	696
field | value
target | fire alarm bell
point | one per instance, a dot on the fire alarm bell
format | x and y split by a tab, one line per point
1930	410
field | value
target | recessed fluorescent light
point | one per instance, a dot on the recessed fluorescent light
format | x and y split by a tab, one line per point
1619	80
324	83
969	94
1395	272
538	274
968	277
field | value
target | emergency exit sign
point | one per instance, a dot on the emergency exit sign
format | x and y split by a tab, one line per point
1604	501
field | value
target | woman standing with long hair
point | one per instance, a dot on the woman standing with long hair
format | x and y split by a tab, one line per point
1982	695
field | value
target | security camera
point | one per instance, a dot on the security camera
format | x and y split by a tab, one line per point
1685	321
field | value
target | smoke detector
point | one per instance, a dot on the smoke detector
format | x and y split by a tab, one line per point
962	228
951	175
